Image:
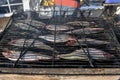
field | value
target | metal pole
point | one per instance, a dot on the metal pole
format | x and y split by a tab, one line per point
9	6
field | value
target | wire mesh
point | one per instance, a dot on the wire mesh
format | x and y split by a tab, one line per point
61	41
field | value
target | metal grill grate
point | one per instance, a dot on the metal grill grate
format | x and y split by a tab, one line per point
85	52
61	41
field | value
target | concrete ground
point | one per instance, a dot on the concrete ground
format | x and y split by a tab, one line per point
56	77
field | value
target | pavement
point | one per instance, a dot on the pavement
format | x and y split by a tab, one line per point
57	77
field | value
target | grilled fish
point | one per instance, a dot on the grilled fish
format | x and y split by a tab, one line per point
79	23
31	22
28	57
58	39
87	41
25	27
86	31
38	44
58	27
95	54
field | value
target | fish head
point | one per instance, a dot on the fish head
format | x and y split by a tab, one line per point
12	41
71	42
71	37
8	53
108	55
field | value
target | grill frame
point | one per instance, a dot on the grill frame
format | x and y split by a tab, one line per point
54	65
54	70
61	71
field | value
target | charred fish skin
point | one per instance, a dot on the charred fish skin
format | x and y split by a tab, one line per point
31	23
95	54
87	41
58	38
86	31
38	44
78	23
25	27
28	57
58	28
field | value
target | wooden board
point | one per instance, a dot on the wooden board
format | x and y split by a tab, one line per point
3	23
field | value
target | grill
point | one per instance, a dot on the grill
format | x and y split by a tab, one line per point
60	42
23	30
